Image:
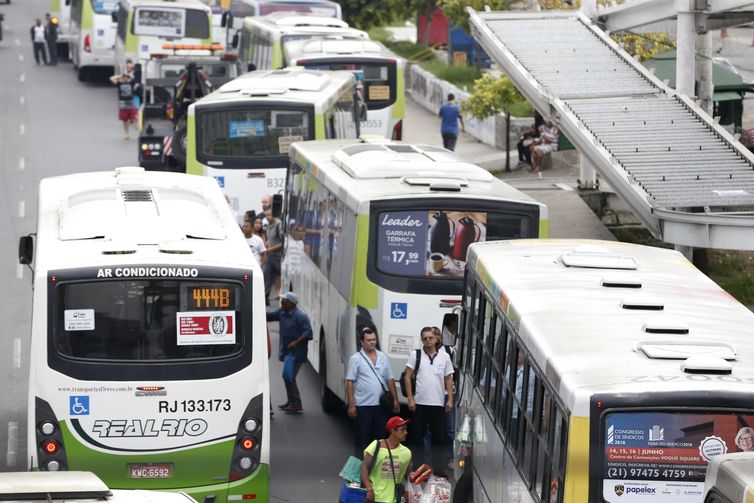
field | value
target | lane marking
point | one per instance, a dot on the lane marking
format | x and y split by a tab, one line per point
18	42
22	100
11	456
19	271
21	209
22	77
17	353
21	163
22	129
20	57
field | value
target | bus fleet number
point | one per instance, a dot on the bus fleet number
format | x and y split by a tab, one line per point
212	405
276	183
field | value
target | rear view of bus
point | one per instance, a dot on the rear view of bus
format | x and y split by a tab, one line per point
241	134
149	349
92	35
380	71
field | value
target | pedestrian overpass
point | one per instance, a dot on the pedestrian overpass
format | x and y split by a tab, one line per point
686	178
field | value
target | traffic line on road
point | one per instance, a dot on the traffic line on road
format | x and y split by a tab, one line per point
22	129
22	77
21	163
17	353
21	209
19	271
20	57
18	42
22	100
12	454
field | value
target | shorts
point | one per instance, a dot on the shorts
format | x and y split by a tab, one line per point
546	148
127	114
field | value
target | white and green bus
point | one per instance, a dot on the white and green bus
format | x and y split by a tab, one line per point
148	346
262	38
144	26
386	228
596	372
241	134
380	71
91	36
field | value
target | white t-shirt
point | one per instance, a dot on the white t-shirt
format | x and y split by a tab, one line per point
430	380
39	33
257	246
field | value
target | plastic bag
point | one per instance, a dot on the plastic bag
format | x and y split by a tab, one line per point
437	490
413	492
288	367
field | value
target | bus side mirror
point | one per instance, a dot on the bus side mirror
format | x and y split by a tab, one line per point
25	249
226	19
113	15
234	42
277	205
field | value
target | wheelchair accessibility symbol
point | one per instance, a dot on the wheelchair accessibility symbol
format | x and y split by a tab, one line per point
398	310
79	405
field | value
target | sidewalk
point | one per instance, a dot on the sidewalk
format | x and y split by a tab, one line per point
569	216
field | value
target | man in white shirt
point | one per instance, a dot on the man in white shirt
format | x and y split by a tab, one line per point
39	41
255	242
427	400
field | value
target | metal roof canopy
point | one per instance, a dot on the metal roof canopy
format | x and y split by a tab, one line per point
686	178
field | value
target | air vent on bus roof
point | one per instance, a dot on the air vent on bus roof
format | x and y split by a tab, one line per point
357	149
444	186
621	282
136	196
642	304
666	326
706	365
427	181
403	149
598	261
683	349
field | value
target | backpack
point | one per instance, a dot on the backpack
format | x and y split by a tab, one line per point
416	370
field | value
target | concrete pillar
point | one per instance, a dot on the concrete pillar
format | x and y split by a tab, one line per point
704	82
686	38
587	173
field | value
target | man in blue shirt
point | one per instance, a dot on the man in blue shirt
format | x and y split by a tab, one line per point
295	334
450	113
368	376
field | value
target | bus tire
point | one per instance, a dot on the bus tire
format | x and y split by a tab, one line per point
330	402
464	490
179	147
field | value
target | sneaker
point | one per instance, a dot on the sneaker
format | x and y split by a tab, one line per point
283	406
294	410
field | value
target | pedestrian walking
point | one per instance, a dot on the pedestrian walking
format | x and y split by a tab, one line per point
38	39
450	113
51	35
369	376
430	396
392	463
127	114
295	334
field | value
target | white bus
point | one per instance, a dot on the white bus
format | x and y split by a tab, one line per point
380	71
148	345
595	371
91	37
145	26
385	230
262	38
241	134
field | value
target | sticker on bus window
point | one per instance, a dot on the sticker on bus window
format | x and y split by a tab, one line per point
378	93
245	129
218	327
160	22
284	143
78	319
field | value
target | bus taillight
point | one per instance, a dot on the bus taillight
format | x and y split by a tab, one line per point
87	44
398	130
248	444
51	447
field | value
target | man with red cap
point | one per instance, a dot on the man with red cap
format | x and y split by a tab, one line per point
392	465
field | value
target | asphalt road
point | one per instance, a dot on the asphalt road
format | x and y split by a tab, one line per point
51	124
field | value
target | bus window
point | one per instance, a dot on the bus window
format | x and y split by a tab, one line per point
104	7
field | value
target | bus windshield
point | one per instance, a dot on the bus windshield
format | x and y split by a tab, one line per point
432	243
151	320
379	78
649	453
323	9
251	133
171	22
104	6
241	9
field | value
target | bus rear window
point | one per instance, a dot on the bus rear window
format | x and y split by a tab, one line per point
238	134
379	79
171	23
322	10
147	320
651	456
104	6
433	243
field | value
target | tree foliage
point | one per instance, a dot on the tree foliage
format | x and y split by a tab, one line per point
365	14
455	10
643	45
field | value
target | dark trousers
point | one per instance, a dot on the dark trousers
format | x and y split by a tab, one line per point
39	48
449	141
271	270
523	152
291	389
434	417
370	425
52	46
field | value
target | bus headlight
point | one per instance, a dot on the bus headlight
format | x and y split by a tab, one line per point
250	425
47	428
53	465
